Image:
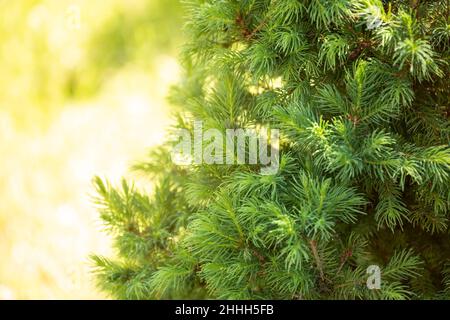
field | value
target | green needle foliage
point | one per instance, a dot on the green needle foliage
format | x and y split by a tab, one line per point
360	92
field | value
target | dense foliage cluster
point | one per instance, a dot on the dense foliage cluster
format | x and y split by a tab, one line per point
360	92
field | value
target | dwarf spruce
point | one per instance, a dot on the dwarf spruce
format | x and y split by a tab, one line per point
359	91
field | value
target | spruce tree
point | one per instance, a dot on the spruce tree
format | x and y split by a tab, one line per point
360	93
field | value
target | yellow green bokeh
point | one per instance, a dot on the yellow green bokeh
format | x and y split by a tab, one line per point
82	92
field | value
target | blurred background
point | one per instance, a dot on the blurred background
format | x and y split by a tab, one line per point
82	93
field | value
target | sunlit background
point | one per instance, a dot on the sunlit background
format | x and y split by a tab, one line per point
82	93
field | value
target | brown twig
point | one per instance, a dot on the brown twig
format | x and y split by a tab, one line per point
347	254
362	45
262	23
246	33
259	256
313	245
